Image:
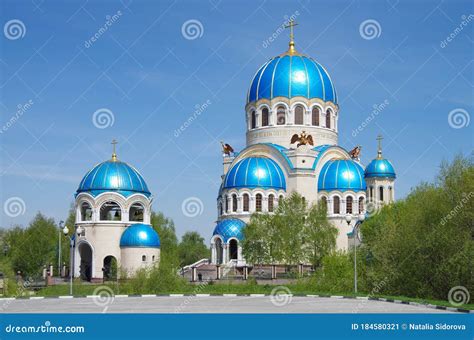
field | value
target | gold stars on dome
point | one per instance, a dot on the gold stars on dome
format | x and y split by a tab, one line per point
114	155
291	49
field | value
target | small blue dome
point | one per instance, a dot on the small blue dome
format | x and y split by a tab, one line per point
140	235
380	167
113	176
228	228
342	175
255	172
291	76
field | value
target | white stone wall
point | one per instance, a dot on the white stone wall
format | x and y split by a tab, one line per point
132	258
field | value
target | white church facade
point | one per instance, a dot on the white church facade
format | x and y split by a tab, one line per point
292	120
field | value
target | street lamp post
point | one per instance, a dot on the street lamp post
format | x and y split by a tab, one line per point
355	232
72	243
59	247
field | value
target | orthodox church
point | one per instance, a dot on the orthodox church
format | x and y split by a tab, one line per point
292	116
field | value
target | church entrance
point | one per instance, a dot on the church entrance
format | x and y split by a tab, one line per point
110	268
85	264
219	251
233	249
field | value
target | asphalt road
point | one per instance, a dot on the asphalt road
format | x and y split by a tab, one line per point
208	304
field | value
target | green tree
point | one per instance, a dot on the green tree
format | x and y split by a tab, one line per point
192	248
294	233
423	245
169	242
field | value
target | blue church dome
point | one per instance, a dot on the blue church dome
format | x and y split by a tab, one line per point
229	228
140	235
342	175
255	172
292	75
113	175
380	167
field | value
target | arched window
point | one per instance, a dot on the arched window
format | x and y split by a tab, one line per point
324	202
328	119
349	205
234	202
336	205
361	205
110	211
299	115
86	212
271	199
246	202
226	203
281	115
371	192
280	198
153	258
390	194
143	258
381	194
253	120
136	212
315	116
258	202
220	208
265	116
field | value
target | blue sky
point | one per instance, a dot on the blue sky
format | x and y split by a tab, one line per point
151	78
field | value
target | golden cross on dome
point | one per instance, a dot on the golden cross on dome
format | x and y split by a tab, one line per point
291	25
379	151
114	155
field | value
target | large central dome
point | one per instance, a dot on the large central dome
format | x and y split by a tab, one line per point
292	75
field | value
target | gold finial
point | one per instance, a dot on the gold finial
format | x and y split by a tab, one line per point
291	49
114	155
379	150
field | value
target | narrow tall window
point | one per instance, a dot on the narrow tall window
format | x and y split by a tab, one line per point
246	202
371	193
336	205
254	120
328	119
234	202
315	116
281	115
381	194
220	208
265	117
258	202
390	194
271	198
226	203
299	115
361	205
349	205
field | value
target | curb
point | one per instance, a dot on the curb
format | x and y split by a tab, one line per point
339	297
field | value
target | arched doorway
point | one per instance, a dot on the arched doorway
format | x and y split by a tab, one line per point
233	249
110	268
85	262
219	251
